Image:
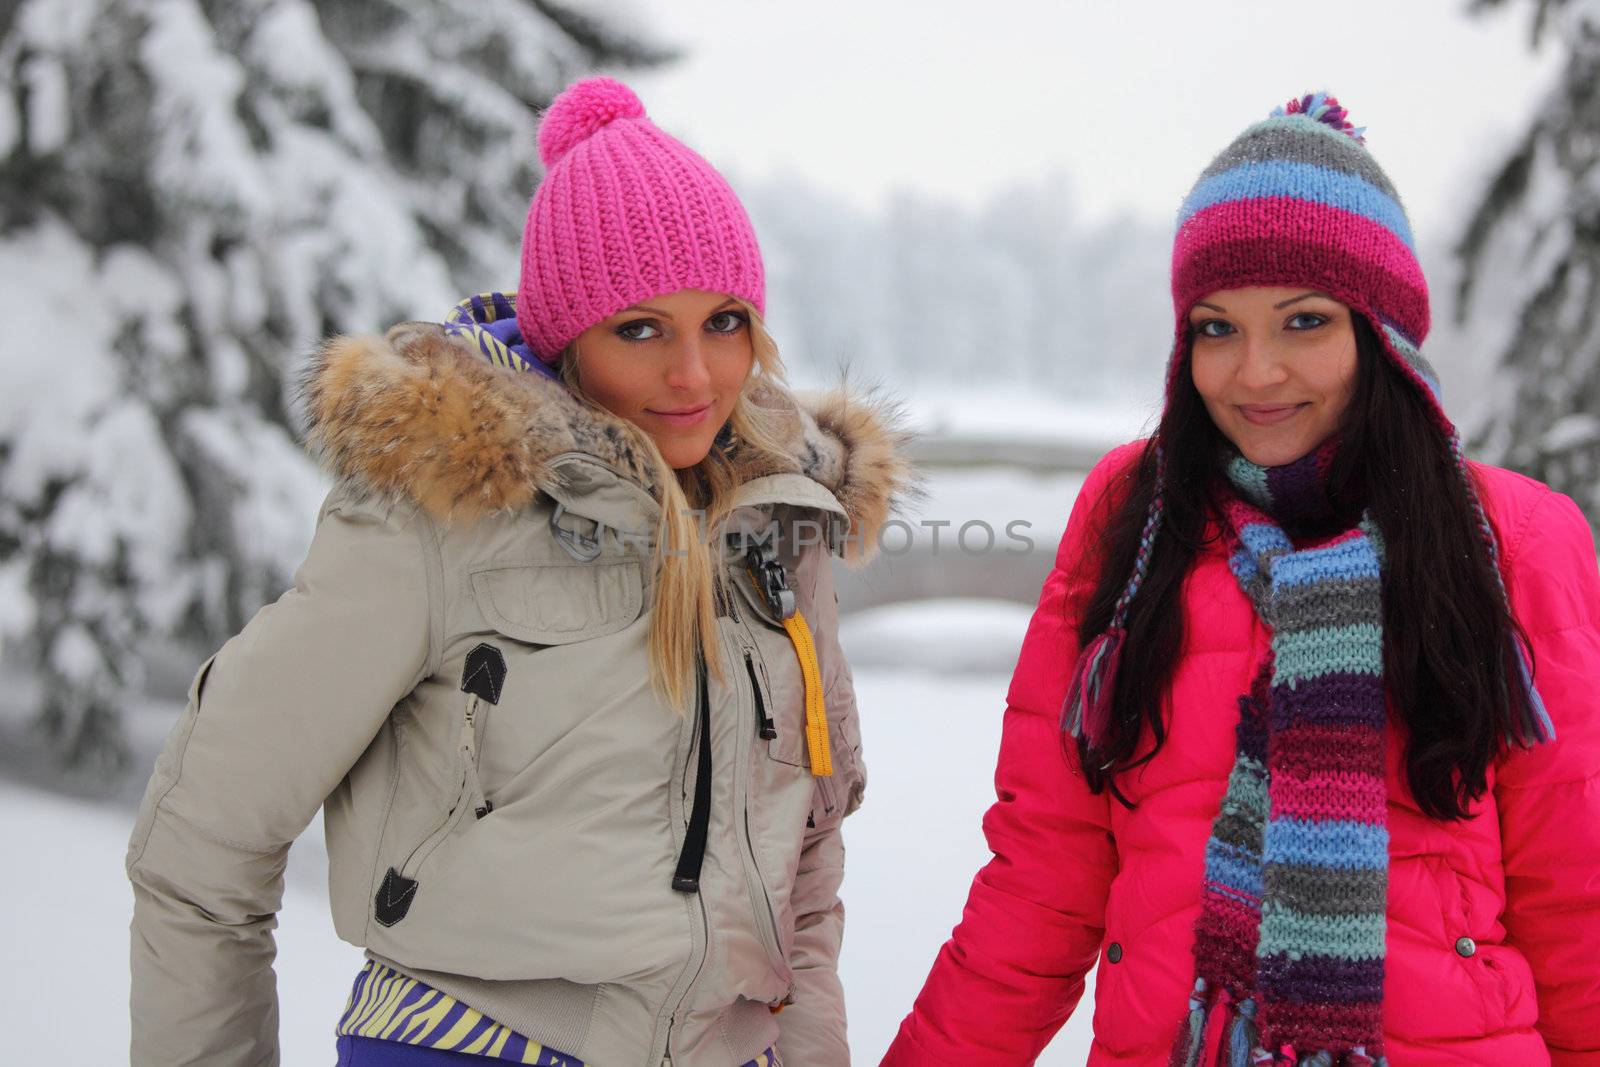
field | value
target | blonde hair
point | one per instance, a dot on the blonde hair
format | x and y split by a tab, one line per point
683	624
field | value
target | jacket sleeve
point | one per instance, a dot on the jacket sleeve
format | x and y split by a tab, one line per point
274	721
812	1027
1549	797
1014	968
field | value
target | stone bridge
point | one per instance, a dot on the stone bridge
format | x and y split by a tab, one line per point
909	568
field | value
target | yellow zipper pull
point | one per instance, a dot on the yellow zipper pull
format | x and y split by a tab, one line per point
816	711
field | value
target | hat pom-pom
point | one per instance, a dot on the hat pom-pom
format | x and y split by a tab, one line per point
1326	110
582	109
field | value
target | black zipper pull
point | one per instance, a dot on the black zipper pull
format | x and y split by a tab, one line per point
767	728
686	879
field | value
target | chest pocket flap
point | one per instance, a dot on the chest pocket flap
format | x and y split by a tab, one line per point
559	602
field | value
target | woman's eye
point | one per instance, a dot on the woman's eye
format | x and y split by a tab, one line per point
1213	328
727	322
638	330
1306	320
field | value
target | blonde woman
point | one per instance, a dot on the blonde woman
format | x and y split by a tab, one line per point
561	668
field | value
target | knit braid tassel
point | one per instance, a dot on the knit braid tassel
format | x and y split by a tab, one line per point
1192	1036
1243	1037
1087	711
1536	727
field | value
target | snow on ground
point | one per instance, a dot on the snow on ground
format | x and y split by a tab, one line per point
934	638
930	743
65	927
930	739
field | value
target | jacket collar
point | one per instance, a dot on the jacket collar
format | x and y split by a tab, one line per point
420	414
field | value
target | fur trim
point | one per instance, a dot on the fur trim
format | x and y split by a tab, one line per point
857	447
420	414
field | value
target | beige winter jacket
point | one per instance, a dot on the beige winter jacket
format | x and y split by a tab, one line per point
504	822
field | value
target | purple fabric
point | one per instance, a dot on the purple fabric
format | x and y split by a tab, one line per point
373	1052
505	331
1338	699
1307	981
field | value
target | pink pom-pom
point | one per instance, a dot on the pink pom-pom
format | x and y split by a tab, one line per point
582	109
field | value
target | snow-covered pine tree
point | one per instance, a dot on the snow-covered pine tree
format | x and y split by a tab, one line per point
1530	281
192	193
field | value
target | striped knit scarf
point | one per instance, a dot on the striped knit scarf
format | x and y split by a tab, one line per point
1290	942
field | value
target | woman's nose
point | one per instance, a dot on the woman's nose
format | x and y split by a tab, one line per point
687	368
1262	365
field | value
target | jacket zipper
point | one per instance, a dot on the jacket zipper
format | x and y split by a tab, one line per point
700	945
469	793
762	911
452	819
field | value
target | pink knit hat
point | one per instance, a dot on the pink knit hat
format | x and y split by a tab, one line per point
624	213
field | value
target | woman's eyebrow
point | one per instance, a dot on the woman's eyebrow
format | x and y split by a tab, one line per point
730	302
646	308
1302	296
1213	307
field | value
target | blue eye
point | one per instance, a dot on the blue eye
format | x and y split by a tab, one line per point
1213	328
1306	320
638	330
727	322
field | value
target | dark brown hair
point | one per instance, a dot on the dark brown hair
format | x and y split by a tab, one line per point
1450	642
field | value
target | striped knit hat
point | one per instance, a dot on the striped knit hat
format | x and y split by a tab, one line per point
625	213
1297	200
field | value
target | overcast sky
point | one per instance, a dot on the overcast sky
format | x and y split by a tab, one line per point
1130	99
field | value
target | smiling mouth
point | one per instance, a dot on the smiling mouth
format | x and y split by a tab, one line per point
683	416
1269	414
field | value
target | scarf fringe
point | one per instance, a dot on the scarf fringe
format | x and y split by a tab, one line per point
1242	1037
1192	1036
1087	711
1241	1041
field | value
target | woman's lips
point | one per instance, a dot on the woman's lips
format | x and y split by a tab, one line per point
1268	414
683	416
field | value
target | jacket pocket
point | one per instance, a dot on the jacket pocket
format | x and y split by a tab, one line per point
778	694
400	884
1462	948
559	602
448	821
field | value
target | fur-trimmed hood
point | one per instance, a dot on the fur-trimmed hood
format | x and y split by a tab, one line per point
420	413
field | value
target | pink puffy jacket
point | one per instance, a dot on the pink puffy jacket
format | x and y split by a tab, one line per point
1494	924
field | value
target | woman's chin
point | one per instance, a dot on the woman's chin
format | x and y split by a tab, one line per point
1268	452
681	453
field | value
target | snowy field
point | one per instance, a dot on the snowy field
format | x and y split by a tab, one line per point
931	737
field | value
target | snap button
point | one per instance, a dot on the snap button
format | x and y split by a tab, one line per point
1114	953
1465	946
